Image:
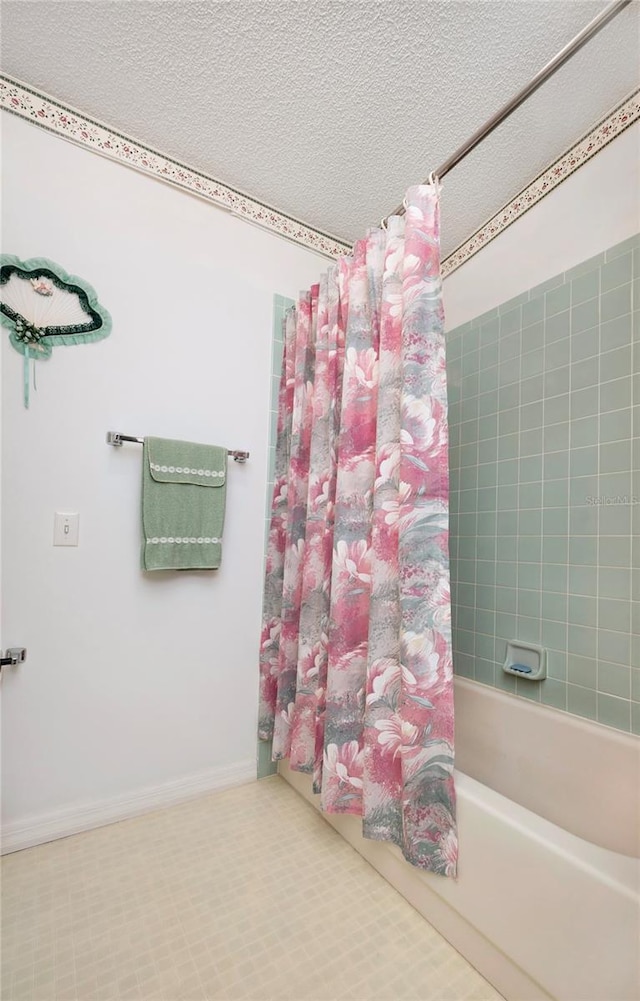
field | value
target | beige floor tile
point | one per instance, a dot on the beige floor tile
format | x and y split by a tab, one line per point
245	895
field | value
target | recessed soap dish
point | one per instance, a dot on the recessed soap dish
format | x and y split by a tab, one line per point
526	661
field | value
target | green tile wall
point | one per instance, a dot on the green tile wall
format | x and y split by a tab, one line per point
544	415
280	305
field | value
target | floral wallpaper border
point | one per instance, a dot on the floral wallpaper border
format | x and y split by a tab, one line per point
55	117
609	128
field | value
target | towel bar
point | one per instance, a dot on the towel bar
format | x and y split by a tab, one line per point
117	439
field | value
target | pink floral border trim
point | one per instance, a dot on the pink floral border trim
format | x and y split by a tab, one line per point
609	128
63	121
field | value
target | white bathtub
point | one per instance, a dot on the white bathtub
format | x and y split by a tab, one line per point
547	903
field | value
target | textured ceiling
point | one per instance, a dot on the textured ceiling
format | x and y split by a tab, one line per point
328	109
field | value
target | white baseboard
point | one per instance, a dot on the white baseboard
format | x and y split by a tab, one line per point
36	830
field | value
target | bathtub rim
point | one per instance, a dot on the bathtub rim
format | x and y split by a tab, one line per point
620	872
599	764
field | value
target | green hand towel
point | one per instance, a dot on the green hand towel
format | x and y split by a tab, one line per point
183	502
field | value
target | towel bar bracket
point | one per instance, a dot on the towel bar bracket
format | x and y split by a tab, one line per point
117	440
15	655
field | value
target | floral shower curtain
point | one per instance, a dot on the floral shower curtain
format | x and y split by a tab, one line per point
355	662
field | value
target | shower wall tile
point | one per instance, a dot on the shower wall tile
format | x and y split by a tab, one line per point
545	488
265	766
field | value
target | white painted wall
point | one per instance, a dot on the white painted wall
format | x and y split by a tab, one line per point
132	680
591	210
135	681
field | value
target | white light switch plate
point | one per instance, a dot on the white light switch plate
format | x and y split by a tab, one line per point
65	528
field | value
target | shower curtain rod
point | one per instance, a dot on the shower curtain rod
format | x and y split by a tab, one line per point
547	71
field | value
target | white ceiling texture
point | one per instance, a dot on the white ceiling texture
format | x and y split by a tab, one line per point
328	110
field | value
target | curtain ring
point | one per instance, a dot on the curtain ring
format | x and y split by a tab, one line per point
383	223
405	203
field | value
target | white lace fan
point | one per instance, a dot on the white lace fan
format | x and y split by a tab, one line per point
43	306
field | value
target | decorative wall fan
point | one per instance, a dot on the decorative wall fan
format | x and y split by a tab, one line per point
44	306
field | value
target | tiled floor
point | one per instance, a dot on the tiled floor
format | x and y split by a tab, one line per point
246	893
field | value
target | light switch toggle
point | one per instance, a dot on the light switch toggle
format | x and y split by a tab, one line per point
66	528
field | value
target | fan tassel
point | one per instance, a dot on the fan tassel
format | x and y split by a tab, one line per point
26	375
25	372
